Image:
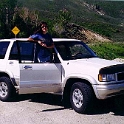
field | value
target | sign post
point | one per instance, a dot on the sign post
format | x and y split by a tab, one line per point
15	30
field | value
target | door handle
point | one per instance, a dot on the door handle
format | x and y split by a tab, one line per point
27	67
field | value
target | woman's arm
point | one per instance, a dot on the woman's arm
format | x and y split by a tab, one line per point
44	45
31	39
38	41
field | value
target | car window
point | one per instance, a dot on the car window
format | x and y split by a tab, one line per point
22	51
14	52
3	48
25	52
63	51
70	50
79	51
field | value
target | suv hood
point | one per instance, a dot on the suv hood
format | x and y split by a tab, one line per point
94	62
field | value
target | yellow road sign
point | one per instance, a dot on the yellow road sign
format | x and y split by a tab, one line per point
15	30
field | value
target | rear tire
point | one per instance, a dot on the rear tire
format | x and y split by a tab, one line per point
81	97
7	90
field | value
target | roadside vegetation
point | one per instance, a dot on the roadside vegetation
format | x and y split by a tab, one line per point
104	18
109	50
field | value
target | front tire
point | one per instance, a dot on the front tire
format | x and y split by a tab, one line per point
6	89
80	97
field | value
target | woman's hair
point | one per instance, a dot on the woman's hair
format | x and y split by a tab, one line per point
39	29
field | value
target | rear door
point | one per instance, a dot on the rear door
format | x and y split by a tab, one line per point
11	67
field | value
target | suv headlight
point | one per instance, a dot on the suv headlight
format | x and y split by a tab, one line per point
106	77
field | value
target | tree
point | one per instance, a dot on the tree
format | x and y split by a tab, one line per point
64	16
26	20
6	18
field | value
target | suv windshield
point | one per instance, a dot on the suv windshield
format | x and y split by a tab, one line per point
71	50
3	48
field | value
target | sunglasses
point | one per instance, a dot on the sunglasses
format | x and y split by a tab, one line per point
43	26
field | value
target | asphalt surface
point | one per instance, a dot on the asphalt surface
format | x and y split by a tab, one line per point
48	109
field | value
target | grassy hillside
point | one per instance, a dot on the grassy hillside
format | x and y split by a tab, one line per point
103	17
109	50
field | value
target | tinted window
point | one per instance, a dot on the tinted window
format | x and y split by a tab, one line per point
26	50
14	52
74	50
22	51
3	48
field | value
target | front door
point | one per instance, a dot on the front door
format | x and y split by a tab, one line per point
35	77
40	77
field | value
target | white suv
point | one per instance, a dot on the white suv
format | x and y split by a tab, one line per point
75	72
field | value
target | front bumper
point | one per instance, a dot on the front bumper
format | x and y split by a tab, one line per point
105	91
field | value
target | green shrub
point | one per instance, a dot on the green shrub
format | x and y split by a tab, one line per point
108	50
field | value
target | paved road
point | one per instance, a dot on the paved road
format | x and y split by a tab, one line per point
48	109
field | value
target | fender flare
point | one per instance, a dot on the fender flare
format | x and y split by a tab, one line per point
88	78
10	75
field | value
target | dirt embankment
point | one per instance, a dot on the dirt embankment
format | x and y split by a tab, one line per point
78	32
91	36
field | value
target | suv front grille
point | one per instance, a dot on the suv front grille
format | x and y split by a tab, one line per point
120	76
